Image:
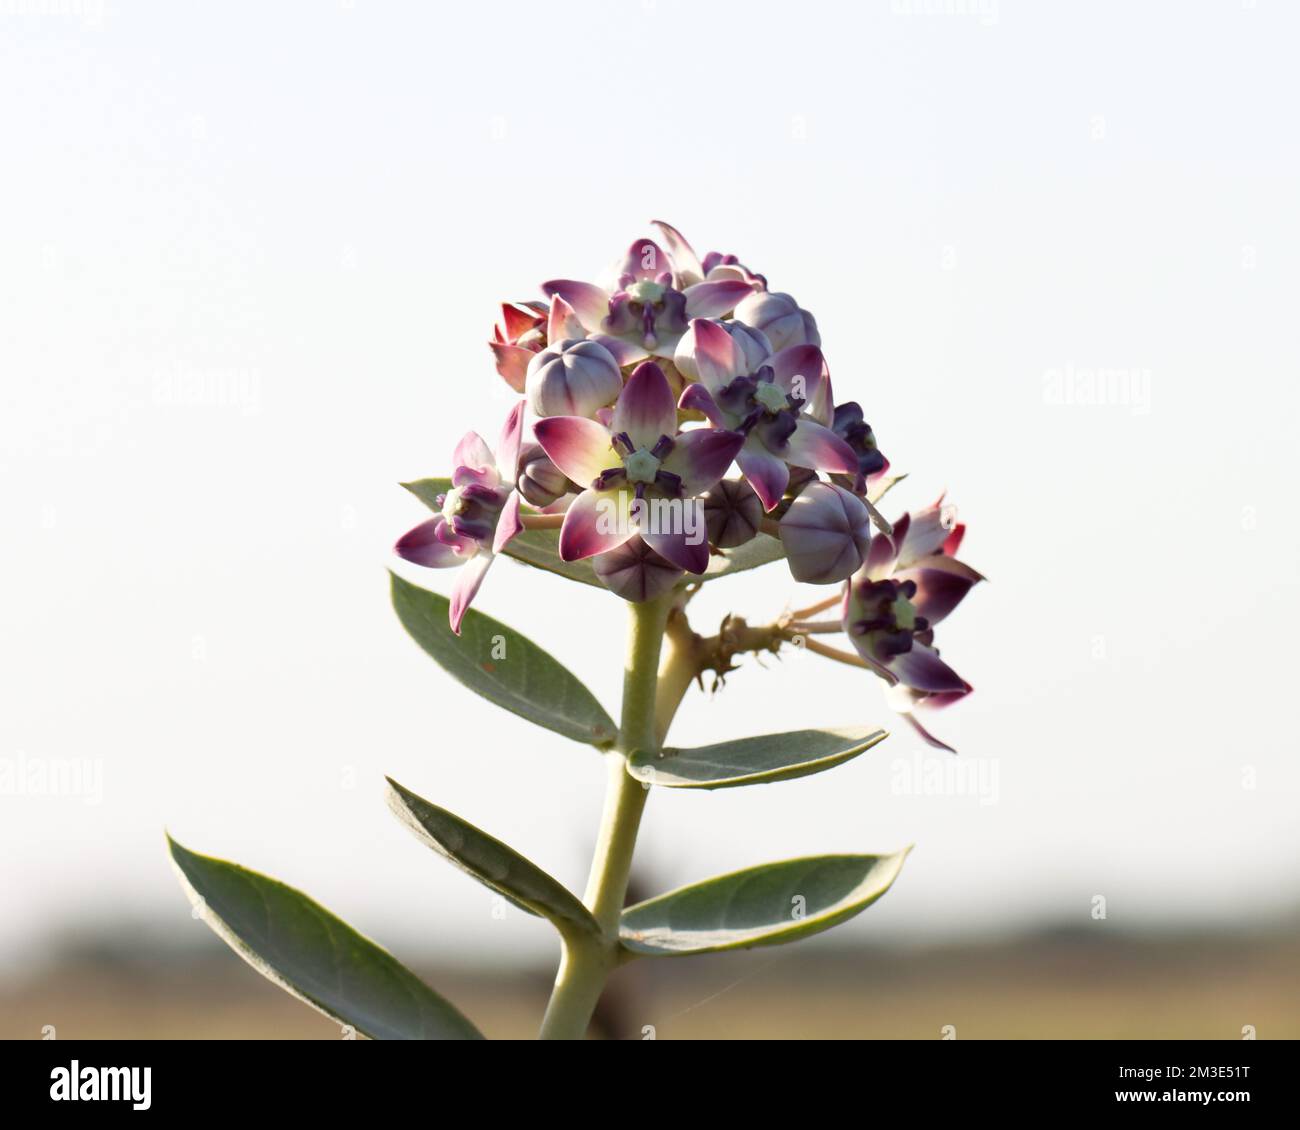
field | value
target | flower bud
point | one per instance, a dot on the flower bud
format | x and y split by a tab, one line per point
752	348
540	481
572	378
850	426
780	318
636	572
732	513
825	533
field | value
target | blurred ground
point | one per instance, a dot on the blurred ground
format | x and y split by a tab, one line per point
1051	985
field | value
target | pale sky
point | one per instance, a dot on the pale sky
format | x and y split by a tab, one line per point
249	258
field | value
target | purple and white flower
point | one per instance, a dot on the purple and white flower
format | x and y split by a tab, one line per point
480	514
648	307
767	401
908	584
639	475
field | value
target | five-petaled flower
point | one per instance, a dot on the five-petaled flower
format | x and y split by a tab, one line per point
770	400
638	473
480	514
908	584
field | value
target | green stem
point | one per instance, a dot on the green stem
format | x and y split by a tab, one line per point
587	961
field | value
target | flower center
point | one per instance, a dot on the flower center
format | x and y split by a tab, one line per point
770	397
643	290
472	510
641	466
887	617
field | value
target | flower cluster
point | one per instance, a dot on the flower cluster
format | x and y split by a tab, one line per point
680	409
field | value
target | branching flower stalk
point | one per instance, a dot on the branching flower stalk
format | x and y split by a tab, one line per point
675	425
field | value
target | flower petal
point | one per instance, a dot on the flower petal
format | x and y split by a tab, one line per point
625	352
596	522
686	264
685	550
474	453
423	545
816	447
508	524
645	409
941	585
925	734
716	359
468	582
798	373
701	457
927	532
577	446
645	260
590	303
713	299
507	459
697	398
922	669
562	322
512	363
768	475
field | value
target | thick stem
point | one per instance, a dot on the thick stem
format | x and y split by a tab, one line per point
678	668
587	961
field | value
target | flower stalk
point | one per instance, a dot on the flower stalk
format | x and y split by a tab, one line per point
587	962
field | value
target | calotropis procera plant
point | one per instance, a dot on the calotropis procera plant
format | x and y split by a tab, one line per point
676	426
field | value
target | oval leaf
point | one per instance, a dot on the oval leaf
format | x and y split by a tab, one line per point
503	666
753	761
541	549
317	957
491	862
428	490
761	906
762	549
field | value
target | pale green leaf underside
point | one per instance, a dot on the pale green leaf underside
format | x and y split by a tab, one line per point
754	761
540	548
503	666
761	906
487	859
320	959
759	550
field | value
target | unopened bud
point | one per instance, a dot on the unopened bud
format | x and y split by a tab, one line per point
572	378
540	481
635	572
780	318
825	533
732	513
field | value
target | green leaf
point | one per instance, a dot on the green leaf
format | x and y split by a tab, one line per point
317	957
541	549
427	491
761	906
762	549
491	862
503	666
753	761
